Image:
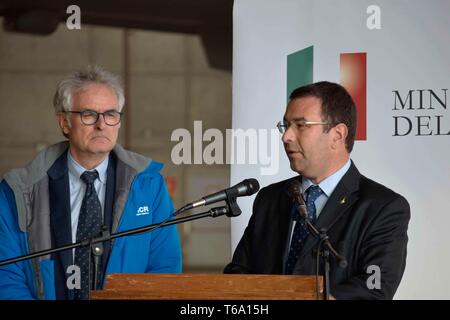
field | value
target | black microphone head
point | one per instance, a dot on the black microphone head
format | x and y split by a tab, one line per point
294	189
252	186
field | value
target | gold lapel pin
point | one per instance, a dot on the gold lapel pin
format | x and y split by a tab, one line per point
343	200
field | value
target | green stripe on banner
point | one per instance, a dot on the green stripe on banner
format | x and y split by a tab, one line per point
299	69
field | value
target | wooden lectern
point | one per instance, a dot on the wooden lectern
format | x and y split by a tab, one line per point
146	286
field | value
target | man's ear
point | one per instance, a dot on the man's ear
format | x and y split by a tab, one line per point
340	132
63	123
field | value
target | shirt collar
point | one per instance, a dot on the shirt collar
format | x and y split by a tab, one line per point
77	169
329	184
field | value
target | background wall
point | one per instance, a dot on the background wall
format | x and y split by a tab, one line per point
169	85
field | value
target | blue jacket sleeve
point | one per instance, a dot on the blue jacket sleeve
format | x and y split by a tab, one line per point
16	279
165	249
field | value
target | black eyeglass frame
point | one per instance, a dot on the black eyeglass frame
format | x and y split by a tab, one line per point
97	115
284	125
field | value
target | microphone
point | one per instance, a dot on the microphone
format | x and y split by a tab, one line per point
294	190
295	193
244	188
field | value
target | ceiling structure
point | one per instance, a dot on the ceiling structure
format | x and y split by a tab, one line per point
210	19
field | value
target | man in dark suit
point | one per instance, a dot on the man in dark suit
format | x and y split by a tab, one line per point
365	221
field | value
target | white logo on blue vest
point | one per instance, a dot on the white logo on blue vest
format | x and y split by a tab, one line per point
142	211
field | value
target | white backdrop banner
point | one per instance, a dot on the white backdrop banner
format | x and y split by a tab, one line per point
393	57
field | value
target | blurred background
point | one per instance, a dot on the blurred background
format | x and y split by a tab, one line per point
174	58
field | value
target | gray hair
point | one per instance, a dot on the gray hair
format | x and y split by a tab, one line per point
62	101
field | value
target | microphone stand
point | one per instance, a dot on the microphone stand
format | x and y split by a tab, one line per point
324	250
97	252
96	243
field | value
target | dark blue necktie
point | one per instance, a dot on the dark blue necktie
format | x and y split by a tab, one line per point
301	230
89	225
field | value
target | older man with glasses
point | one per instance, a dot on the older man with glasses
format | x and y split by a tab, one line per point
365	221
75	190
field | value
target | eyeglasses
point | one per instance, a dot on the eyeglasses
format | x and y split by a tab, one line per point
90	117
299	125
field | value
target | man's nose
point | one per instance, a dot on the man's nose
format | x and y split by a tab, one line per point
100	124
288	135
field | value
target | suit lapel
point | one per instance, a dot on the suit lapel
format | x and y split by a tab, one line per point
343	197
108	212
60	218
285	220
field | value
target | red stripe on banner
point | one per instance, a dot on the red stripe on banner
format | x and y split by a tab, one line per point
353	71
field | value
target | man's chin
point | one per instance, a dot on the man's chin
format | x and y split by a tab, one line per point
296	167
101	148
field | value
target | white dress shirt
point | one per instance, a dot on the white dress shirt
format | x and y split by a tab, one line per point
78	188
327	185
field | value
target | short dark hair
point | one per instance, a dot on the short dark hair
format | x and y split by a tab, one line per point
337	106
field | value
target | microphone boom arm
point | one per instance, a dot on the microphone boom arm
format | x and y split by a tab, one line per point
325	247
213	212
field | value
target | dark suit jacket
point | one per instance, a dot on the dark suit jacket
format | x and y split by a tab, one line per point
60	219
366	222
